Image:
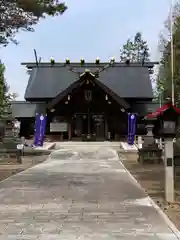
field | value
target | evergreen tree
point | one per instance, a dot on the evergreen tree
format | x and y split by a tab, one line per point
22	14
5	96
136	50
164	80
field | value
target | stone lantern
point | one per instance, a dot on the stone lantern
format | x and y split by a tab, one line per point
150	151
9	141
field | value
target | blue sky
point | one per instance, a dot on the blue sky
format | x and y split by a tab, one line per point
89	29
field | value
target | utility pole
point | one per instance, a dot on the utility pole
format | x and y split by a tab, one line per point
172	50
168	140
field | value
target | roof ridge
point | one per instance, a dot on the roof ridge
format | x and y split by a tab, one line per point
88	64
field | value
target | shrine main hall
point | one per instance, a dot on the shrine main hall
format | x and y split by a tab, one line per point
86	100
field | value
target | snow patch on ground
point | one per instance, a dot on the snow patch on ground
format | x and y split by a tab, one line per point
128	147
142	202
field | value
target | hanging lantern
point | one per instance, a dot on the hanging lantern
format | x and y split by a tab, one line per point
82	61
112	60
69	97
106	97
52	61
67	61
97	60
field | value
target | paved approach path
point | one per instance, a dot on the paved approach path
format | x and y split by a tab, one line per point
85	195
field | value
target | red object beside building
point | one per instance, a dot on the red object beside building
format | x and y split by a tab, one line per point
159	111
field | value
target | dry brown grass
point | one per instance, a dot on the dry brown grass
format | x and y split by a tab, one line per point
9	167
151	178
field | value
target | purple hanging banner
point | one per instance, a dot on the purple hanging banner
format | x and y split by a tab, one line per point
131	128
40	128
37	124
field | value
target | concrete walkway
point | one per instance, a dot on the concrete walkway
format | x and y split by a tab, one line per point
82	194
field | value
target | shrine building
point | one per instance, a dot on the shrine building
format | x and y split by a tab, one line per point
86	99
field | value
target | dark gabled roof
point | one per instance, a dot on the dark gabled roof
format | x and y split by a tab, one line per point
48	82
127	81
23	109
79	82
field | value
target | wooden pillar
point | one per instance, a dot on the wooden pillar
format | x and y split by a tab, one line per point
106	128
69	131
61	136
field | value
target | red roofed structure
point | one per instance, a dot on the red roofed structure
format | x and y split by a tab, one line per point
159	111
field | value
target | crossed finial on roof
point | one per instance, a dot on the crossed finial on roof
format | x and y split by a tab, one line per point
96	73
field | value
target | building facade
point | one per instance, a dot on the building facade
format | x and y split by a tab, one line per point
86	99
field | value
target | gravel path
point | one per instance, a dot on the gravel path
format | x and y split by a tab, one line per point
79	193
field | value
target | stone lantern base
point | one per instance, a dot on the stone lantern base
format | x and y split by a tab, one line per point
150	154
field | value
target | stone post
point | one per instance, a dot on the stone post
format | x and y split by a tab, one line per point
139	142
169	169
